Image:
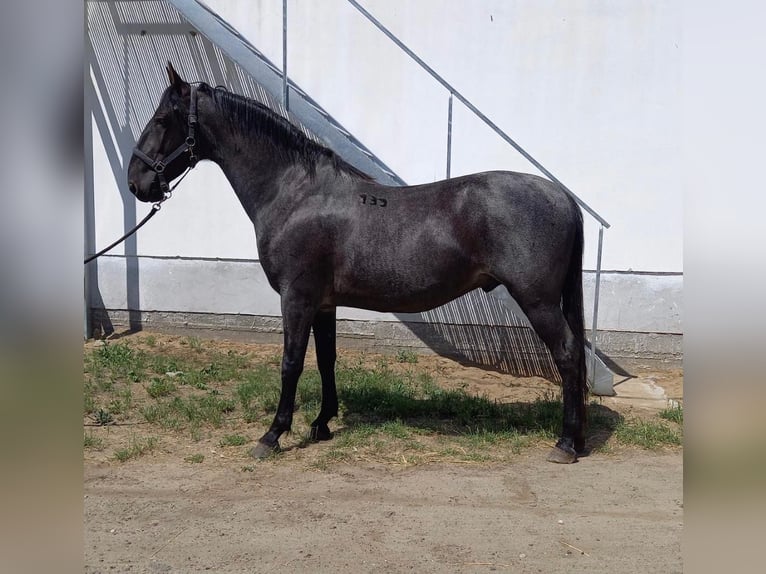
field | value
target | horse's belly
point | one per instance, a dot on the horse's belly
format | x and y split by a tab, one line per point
415	289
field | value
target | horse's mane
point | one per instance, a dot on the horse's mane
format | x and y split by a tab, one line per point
252	116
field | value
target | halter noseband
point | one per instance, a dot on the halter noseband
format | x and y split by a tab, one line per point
159	165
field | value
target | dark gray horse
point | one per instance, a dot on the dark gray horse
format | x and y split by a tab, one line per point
329	236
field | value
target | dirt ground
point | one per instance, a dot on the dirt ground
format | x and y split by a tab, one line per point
614	511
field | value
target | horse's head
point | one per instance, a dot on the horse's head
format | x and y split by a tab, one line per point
166	146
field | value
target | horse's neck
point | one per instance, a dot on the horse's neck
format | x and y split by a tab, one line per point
252	166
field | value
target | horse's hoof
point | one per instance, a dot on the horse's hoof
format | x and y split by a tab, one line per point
261	450
319	433
562	456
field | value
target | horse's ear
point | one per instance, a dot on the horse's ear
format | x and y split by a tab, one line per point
175	80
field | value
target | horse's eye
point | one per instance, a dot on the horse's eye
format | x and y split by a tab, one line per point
162	120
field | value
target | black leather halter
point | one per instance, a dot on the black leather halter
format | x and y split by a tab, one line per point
159	165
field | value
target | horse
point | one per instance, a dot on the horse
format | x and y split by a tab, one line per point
328	235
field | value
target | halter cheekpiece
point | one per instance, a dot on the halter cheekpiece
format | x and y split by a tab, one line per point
159	165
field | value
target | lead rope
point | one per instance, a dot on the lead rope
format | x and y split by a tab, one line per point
155	208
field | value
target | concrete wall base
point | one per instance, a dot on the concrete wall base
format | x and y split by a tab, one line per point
515	350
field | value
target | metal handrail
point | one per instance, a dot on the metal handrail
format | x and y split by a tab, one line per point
474	109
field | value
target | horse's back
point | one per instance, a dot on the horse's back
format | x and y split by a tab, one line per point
415	247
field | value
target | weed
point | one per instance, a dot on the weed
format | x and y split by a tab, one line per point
150	340
396	429
163	364
646	433
126	396
260	391
137	447
163	414
93	442
193	343
160	388
104	384
116	407
196	410
196	379
406	356
195	458
89	398
233	440
103	417
674	414
196	433
119	360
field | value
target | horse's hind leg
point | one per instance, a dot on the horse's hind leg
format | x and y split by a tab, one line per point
297	315
550	324
324	339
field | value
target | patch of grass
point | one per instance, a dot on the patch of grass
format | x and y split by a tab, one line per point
150	341
116	407
396	429
89	398
646	433
195	432
196	379
136	448
384	414
116	361
356	436
259	393
163	414
194	410
673	414
160	387
207	409
194	458
93	442
309	392
163	364
233	440
222	367
193	343
406	356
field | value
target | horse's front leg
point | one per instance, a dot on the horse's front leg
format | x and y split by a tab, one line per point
297	315
324	338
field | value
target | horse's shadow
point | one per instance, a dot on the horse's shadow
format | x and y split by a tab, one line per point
460	414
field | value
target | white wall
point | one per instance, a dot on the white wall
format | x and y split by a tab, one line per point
590	88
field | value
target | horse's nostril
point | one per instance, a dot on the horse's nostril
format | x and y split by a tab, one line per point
132	187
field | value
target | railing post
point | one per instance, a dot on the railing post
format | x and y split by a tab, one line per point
449	135
595	302
285	95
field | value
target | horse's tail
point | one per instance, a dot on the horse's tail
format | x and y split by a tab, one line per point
572	303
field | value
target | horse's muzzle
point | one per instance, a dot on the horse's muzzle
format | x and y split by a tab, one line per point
149	193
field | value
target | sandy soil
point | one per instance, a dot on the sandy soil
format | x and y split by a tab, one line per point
620	511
